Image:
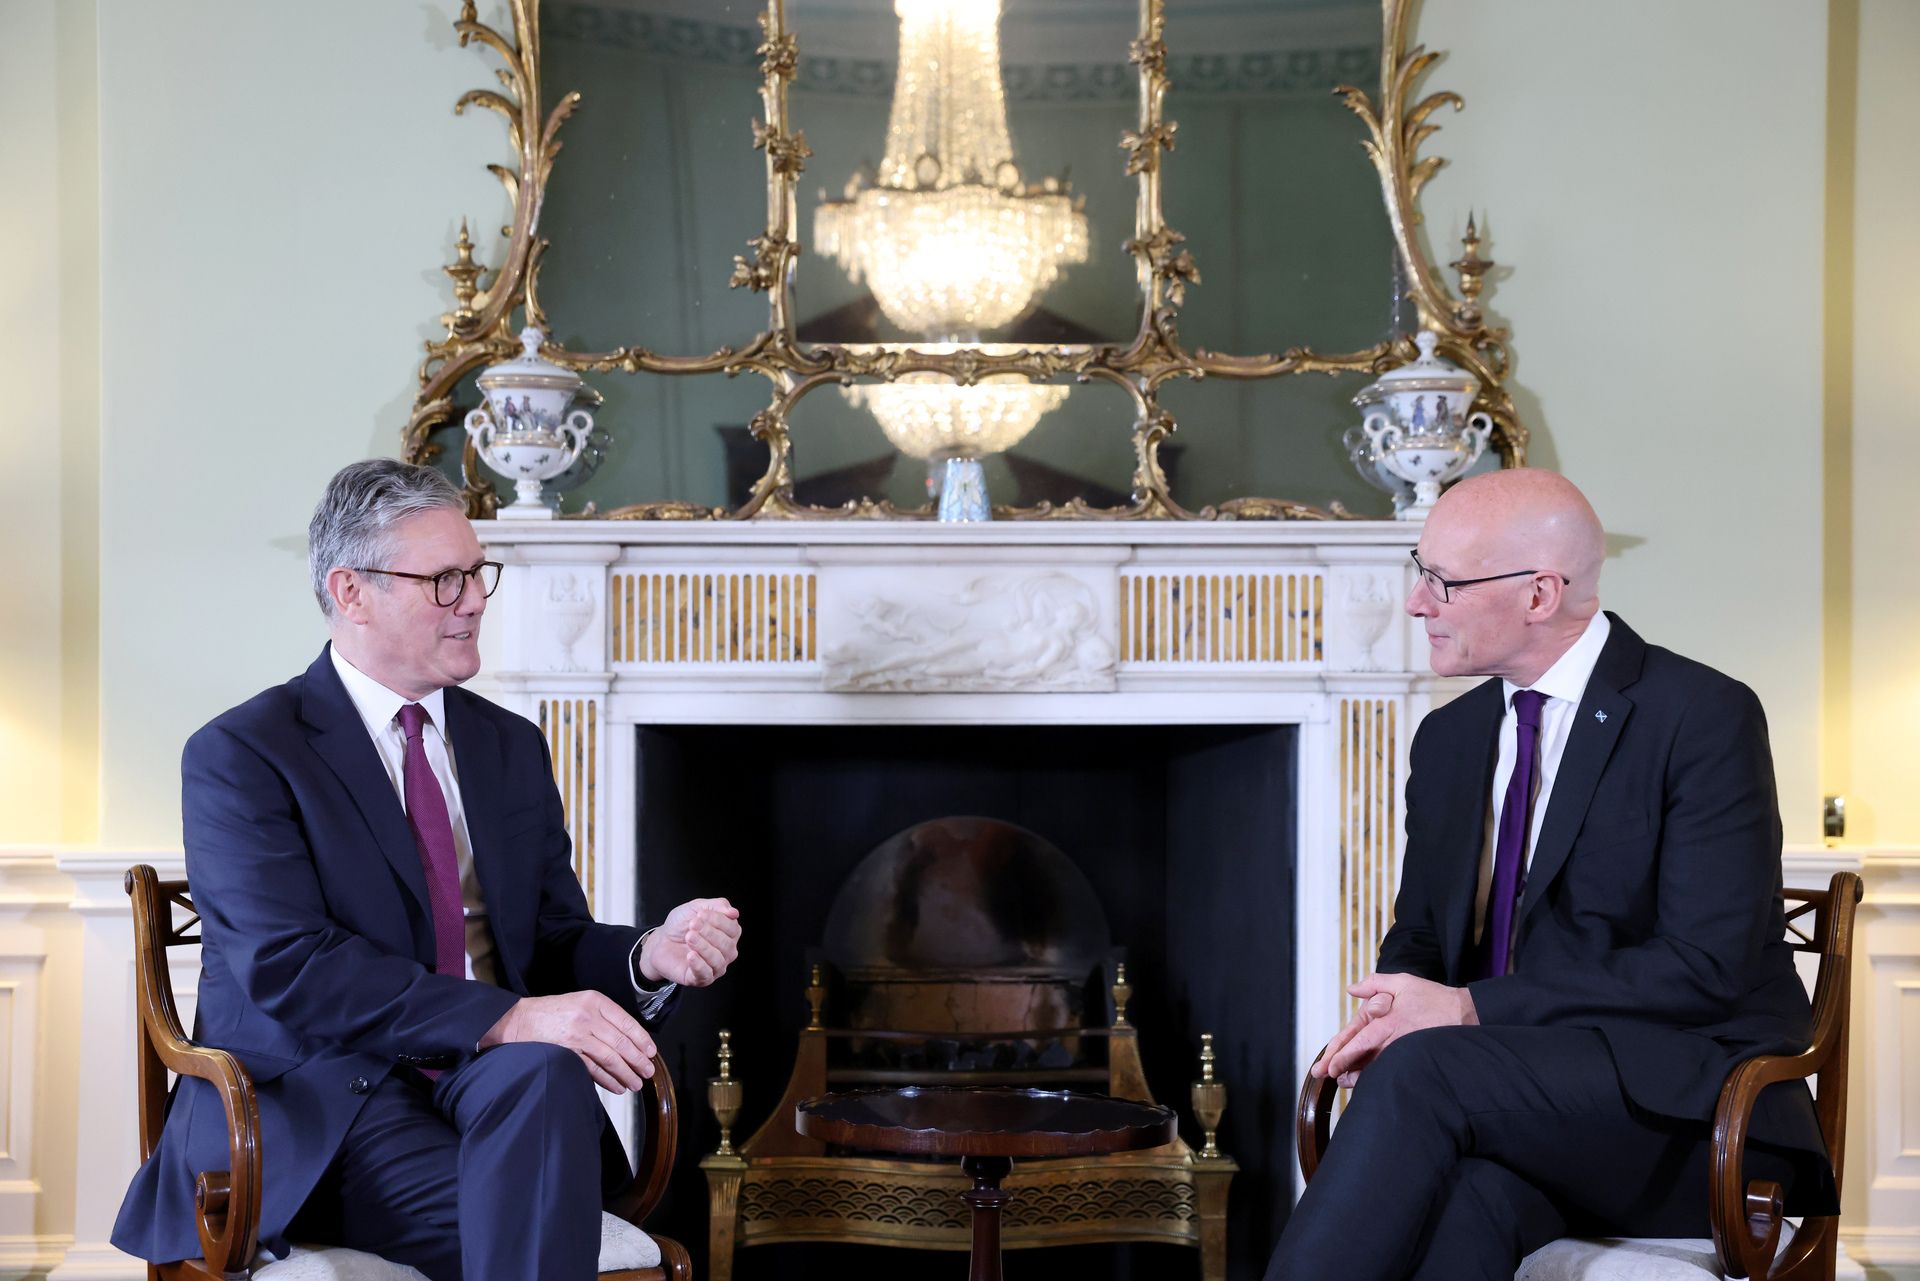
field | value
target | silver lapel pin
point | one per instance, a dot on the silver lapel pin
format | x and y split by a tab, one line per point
1600	716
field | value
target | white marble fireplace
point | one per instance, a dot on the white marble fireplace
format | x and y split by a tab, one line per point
601	627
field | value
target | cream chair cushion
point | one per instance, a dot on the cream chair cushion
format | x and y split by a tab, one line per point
1620	1259
622	1246
1627	1259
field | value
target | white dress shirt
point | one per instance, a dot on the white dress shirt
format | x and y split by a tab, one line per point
1564	684
379	708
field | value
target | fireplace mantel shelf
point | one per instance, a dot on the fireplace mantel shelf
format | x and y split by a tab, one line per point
1305	535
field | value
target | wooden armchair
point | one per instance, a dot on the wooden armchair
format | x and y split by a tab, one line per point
228	1201
1746	1216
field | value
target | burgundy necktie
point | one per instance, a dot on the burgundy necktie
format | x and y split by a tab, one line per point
433	833
1511	844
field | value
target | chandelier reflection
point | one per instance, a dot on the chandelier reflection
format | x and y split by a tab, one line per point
952	241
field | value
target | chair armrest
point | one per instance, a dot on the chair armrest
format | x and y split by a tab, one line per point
1313	1120
660	1114
227	1201
1747	1217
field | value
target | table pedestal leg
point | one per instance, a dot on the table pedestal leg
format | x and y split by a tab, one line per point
986	1197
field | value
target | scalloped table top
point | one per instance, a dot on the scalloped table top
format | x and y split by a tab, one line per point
967	1121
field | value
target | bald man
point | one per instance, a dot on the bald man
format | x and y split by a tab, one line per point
1587	935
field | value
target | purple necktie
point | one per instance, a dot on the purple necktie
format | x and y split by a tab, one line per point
1511	844
433	833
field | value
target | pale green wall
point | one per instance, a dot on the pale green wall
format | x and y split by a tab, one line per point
275	195
1874	763
276	191
1650	175
30	699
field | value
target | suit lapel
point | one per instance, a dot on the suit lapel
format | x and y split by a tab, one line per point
476	760
340	738
1466	827
1596	728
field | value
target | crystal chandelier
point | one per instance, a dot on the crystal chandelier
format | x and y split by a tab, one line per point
930	417
952	242
948	238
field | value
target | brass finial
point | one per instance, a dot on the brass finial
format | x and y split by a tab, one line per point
1122	993
724	1095
816	998
466	275
1473	270
1209	1099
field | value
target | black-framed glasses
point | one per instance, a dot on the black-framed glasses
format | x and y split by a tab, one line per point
449	584
1442	588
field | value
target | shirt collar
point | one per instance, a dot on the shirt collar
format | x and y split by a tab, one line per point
1567	678
377	704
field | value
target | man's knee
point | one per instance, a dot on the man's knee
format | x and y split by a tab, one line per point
539	1072
1415	1062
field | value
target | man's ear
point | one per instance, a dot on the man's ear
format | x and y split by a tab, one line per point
1548	593
348	591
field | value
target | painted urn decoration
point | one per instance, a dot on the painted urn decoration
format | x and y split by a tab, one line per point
1417	428
528	431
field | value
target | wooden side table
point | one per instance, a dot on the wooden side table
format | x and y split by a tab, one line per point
986	1129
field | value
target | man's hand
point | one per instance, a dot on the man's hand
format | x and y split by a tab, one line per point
694	945
616	1049
1391	1005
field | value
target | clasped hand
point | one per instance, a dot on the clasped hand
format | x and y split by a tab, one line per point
693	946
1391	1005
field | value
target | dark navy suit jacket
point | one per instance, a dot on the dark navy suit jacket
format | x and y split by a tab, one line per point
1651	910
317	943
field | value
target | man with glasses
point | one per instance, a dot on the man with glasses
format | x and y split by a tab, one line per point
394	943
1587	935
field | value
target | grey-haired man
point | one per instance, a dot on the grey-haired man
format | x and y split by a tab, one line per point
395	944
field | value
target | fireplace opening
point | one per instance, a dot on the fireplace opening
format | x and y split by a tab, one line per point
1185	835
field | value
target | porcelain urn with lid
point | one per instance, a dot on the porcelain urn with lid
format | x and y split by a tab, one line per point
528	430
1418	427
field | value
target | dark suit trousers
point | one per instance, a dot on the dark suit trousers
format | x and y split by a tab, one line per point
1464	1149
491	1171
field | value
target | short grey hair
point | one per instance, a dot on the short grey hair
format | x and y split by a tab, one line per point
353	524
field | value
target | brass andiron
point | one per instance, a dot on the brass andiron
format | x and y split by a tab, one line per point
724	1095
1122	993
1209	1100
816	998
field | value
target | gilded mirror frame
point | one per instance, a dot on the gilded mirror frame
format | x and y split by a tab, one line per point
479	329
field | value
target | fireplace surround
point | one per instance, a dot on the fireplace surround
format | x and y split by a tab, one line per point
748	708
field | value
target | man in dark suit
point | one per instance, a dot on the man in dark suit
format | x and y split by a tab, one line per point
394	942
1587	935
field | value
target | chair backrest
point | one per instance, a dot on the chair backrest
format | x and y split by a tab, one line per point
1820	922
163	917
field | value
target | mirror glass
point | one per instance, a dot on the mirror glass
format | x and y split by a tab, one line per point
1080	446
657	188
976	191
1269	182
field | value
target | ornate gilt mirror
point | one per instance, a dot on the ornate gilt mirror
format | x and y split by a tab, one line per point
800	250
